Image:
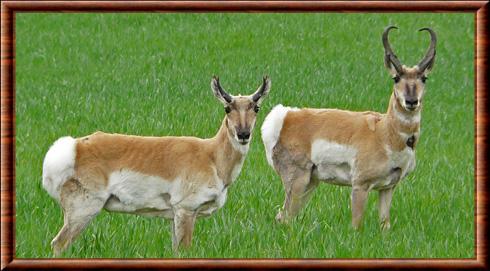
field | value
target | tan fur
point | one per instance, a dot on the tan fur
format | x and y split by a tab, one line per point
180	178
100	154
365	150
191	159
373	135
302	127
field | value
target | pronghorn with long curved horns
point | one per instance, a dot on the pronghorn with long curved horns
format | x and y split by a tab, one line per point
364	150
179	178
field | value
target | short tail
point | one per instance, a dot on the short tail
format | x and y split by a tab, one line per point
271	129
59	165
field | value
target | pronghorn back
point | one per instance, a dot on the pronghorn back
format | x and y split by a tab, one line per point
165	157
299	128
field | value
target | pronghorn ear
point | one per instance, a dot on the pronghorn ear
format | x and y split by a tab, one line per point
391	69
219	92
262	91
428	69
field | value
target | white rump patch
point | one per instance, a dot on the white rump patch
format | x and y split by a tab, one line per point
59	165
271	128
334	161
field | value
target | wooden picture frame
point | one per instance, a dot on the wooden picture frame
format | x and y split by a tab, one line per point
8	12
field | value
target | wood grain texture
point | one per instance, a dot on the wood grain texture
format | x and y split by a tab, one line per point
248	6
241	263
7	139
9	8
481	119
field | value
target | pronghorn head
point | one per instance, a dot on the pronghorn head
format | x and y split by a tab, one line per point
409	81
241	111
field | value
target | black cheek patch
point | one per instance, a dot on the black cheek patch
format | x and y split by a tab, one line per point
411	141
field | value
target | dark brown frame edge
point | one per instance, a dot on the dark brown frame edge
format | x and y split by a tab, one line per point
8	10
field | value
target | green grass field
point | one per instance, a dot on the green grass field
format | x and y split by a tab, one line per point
149	74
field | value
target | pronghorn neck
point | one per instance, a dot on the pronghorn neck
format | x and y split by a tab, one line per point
229	154
401	125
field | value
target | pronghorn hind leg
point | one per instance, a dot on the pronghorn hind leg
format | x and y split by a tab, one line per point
79	207
298	188
295	172
300	193
384	204
182	228
70	230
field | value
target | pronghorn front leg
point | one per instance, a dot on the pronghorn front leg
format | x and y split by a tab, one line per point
358	197
384	204
182	228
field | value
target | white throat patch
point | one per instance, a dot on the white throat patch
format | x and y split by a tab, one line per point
405	136
406	119
237	169
243	149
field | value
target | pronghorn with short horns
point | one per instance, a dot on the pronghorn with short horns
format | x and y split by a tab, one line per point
364	150
178	178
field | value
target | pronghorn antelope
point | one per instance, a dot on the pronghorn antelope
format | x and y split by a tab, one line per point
179	178
364	150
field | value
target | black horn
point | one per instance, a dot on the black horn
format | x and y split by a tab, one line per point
390	58
223	93
262	89
428	60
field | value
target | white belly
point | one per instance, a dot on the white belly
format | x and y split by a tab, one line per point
334	162
137	193
134	192
334	174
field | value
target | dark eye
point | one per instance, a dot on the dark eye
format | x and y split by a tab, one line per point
227	109
423	79
396	79
256	108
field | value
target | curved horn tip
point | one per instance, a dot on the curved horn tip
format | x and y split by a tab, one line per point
266	77
387	31
431	32
391	27
215	77
433	35
428	29
425	28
